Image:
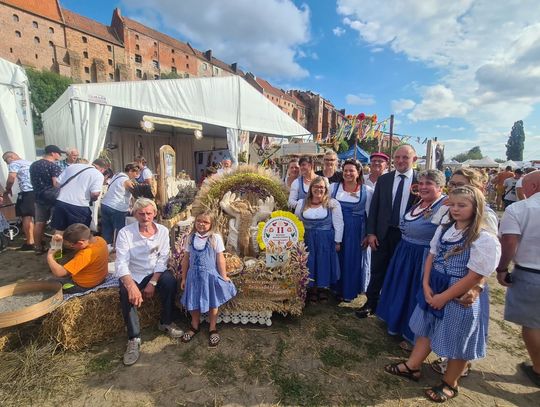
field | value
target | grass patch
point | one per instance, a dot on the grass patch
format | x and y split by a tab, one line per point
322	332
353	336
295	390
497	296
102	363
255	367
505	327
219	369
187	356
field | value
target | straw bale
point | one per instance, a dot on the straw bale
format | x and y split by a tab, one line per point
88	319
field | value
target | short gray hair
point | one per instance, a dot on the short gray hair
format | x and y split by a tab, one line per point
142	203
433	175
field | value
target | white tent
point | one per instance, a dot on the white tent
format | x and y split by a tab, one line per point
485	162
511	163
85	114
16	133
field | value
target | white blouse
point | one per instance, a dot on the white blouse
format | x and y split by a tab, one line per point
491	222
200	241
485	251
295	189
344	196
321	213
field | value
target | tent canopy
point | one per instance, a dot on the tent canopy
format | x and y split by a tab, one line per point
16	133
361	155
485	162
224	106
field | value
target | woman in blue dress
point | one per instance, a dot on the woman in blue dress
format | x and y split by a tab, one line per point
300	186
354	198
323	224
404	275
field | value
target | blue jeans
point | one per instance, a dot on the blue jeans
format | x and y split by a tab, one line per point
111	221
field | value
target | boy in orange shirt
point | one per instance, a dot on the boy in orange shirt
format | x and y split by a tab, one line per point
89	266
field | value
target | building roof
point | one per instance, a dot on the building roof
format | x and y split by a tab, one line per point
163	38
44	8
214	61
268	88
91	27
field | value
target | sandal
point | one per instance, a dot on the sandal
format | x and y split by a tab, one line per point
437	394
411	374
188	336
213	339
406	346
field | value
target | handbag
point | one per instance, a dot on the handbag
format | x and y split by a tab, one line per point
49	195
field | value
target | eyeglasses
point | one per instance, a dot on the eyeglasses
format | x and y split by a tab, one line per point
318	187
453	184
329	160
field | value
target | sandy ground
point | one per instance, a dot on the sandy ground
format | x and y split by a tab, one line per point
326	357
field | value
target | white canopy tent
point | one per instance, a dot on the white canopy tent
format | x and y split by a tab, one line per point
87	116
16	133
485	162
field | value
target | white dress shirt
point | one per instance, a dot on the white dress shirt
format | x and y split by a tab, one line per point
138	255
406	189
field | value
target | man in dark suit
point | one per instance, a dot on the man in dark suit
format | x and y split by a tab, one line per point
391	199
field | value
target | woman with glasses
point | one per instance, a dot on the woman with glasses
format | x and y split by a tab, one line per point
323	223
330	169
354	198
300	186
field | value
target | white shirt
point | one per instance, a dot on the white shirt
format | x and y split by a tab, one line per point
510	189
491	222
344	196
117	196
137	255
485	250
77	191
200	241
321	213
523	218
406	189
295	188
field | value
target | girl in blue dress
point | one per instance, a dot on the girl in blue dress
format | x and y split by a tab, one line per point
404	275
461	255
204	277
323	224
354	199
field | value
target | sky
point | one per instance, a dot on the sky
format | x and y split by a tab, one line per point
462	71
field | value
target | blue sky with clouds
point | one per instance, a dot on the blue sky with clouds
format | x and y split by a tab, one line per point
462	71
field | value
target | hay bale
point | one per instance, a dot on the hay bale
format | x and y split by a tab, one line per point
82	321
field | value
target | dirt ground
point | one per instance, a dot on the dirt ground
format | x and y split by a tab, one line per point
325	357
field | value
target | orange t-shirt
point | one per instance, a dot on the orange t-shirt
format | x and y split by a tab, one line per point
90	265
503	176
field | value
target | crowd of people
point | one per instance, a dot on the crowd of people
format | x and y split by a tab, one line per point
419	244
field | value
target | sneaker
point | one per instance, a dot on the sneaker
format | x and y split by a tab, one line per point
132	352
171	329
441	364
27	247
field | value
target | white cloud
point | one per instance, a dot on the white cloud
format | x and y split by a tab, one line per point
400	105
338	31
318	77
360	100
486	55
263	36
447	127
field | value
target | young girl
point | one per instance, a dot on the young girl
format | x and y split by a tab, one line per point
461	254
323	222
204	277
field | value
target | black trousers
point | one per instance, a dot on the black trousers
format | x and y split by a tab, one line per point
380	259
166	287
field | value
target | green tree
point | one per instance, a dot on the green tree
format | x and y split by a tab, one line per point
473	154
170	75
516	142
45	88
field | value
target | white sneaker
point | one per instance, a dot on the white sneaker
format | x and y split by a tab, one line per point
171	329
132	352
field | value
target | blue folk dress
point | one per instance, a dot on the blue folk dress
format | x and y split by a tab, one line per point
205	288
323	262
301	192
353	279
404	275
456	331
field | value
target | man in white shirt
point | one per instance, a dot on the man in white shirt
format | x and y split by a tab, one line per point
520	235
378	165
509	184
80	185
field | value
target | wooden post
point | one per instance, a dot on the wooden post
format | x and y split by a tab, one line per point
391	137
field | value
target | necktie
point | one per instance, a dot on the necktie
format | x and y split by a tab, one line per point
394	220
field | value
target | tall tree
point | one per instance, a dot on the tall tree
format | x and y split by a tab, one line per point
45	88
516	142
473	154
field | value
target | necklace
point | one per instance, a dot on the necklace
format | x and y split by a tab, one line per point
352	193
427	211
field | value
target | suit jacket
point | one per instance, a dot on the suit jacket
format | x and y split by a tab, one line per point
380	211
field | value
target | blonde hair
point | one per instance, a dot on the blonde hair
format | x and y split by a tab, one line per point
476	178
326	197
211	232
472	231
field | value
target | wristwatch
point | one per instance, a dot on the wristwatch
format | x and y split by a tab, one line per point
154	283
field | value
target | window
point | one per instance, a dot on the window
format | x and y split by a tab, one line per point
111	76
11	50
187	56
136	47
51	30
155	53
109	48
173	60
84	39
173	69
86	69
138	73
85	54
156	76
215	71
155	64
36	55
35	24
15	18
136	36
204	67
18	34
187	66
155	44
138	58
87	81
110	62
51	44
36	40
172	51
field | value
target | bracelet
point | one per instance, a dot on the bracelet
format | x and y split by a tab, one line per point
481	287
504	270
